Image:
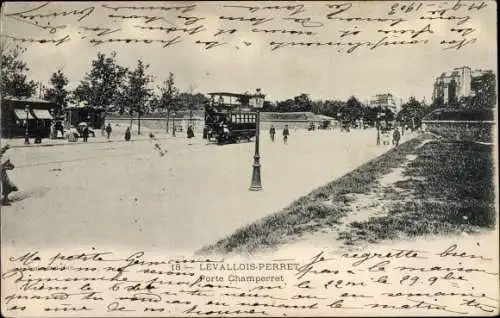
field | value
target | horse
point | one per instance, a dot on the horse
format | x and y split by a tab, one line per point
7	185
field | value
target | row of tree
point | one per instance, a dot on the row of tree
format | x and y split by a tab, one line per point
352	110
129	91
107	84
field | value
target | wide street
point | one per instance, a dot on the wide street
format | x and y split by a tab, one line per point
125	193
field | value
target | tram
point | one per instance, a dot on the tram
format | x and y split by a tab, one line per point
229	118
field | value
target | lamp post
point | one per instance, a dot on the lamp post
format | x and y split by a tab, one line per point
256	184
379	116
173	124
26	132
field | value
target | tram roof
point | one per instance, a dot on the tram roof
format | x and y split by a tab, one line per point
227	94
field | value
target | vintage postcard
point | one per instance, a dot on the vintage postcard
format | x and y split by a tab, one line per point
249	159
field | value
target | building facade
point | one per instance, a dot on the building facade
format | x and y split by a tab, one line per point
385	101
451	86
29	115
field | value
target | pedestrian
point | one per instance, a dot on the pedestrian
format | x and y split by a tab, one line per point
272	132
108	130
286	132
127	134
378	135
38	135
396	136
53	132
7	185
205	132
190	133
85	133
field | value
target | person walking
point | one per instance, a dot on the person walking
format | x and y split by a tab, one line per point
190	133
127	134
7	185
272	132
109	130
396	136
85	133
286	132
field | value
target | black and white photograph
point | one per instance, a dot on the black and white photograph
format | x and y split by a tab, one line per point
249	158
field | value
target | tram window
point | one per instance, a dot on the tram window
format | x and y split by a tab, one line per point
239	118
246	118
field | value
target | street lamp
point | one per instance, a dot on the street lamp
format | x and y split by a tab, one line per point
379	115
256	183
173	124
26	131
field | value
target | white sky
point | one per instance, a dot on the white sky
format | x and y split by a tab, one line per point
322	72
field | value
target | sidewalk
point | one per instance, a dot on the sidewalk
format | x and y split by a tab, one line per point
19	142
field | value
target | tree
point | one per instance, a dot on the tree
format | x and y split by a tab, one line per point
14	80
102	85
438	102
168	97
484	88
411	113
303	103
332	108
286	106
137	93
317	107
353	110
58	93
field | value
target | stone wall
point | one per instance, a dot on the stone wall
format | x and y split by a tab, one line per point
479	131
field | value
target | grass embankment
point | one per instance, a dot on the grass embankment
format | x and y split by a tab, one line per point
451	190
324	206
448	188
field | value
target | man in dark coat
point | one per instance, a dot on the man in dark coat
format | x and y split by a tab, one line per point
85	133
190	132
272	132
127	134
286	132
396	136
108	129
7	185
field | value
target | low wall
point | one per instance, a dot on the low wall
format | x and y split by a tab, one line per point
198	123
161	123
480	131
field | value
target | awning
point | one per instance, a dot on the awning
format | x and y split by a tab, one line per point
42	114
21	114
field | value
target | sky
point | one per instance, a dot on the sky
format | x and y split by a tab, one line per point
246	62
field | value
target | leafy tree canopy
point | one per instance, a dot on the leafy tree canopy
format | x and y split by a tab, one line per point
58	92
14	81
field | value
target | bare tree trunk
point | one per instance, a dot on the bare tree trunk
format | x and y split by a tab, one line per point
131	121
